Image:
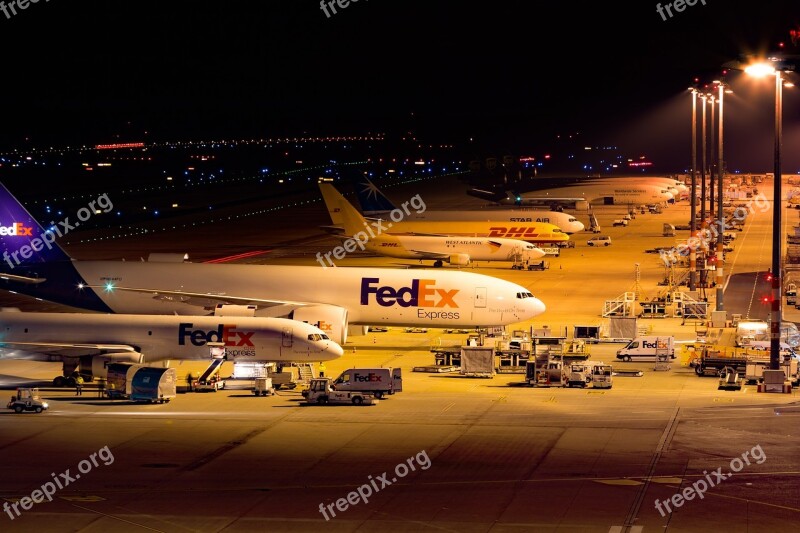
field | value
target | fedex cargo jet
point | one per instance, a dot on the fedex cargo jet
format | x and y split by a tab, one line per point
329	298
90	341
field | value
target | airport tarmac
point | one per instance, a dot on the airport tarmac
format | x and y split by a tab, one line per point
488	454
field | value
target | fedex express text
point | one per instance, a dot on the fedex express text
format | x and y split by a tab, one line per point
421	294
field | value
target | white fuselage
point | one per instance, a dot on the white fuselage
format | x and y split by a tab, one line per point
159	337
632	192
475	248
566	222
370	295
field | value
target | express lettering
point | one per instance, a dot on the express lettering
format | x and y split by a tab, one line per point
225	333
421	293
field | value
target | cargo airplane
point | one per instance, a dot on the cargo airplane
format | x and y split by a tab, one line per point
533	232
375	204
580	191
90	341
329	298
459	251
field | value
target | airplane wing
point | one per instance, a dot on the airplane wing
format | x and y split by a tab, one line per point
204	299
430	255
21	279
65	349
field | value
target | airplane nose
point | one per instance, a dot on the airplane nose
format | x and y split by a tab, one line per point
335	350
537	306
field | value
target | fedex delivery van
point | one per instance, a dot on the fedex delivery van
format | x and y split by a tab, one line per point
378	381
648	346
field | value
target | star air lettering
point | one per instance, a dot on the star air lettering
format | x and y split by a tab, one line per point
17	229
421	294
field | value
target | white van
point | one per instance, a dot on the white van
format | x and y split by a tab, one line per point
647	346
600	240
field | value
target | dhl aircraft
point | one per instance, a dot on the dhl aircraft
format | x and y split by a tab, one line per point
90	341
458	251
329	298
534	232
375	204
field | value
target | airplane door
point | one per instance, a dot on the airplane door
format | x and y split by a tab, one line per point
286	338
480	297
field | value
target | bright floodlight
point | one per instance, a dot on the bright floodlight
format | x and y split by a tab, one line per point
759	70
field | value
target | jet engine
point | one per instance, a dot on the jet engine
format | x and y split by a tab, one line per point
100	362
329	318
459	259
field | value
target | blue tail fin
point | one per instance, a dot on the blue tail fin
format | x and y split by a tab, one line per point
23	241
372	200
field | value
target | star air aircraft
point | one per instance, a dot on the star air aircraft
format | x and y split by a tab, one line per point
90	341
329	298
459	251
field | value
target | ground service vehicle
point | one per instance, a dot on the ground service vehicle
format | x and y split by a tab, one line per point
321	392
263	387
648	346
378	381
580	375
602	376
27	400
600	240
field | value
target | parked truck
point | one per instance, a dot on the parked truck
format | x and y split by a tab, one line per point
321	392
378	381
648	346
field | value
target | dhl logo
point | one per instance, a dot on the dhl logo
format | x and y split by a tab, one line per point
17	229
513	232
421	293
225	333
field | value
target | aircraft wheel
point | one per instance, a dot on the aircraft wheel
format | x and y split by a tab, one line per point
358	400
59	381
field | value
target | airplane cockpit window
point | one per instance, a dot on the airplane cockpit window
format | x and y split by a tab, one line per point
325	337
314	336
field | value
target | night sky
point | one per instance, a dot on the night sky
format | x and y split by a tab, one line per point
511	75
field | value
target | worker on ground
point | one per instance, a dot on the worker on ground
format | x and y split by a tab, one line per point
79	385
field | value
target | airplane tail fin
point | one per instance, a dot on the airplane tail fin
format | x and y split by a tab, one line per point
372	200
342	212
23	241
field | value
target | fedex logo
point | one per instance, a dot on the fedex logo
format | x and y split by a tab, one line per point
369	378
225	333
513	232
17	229
646	344
421	293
